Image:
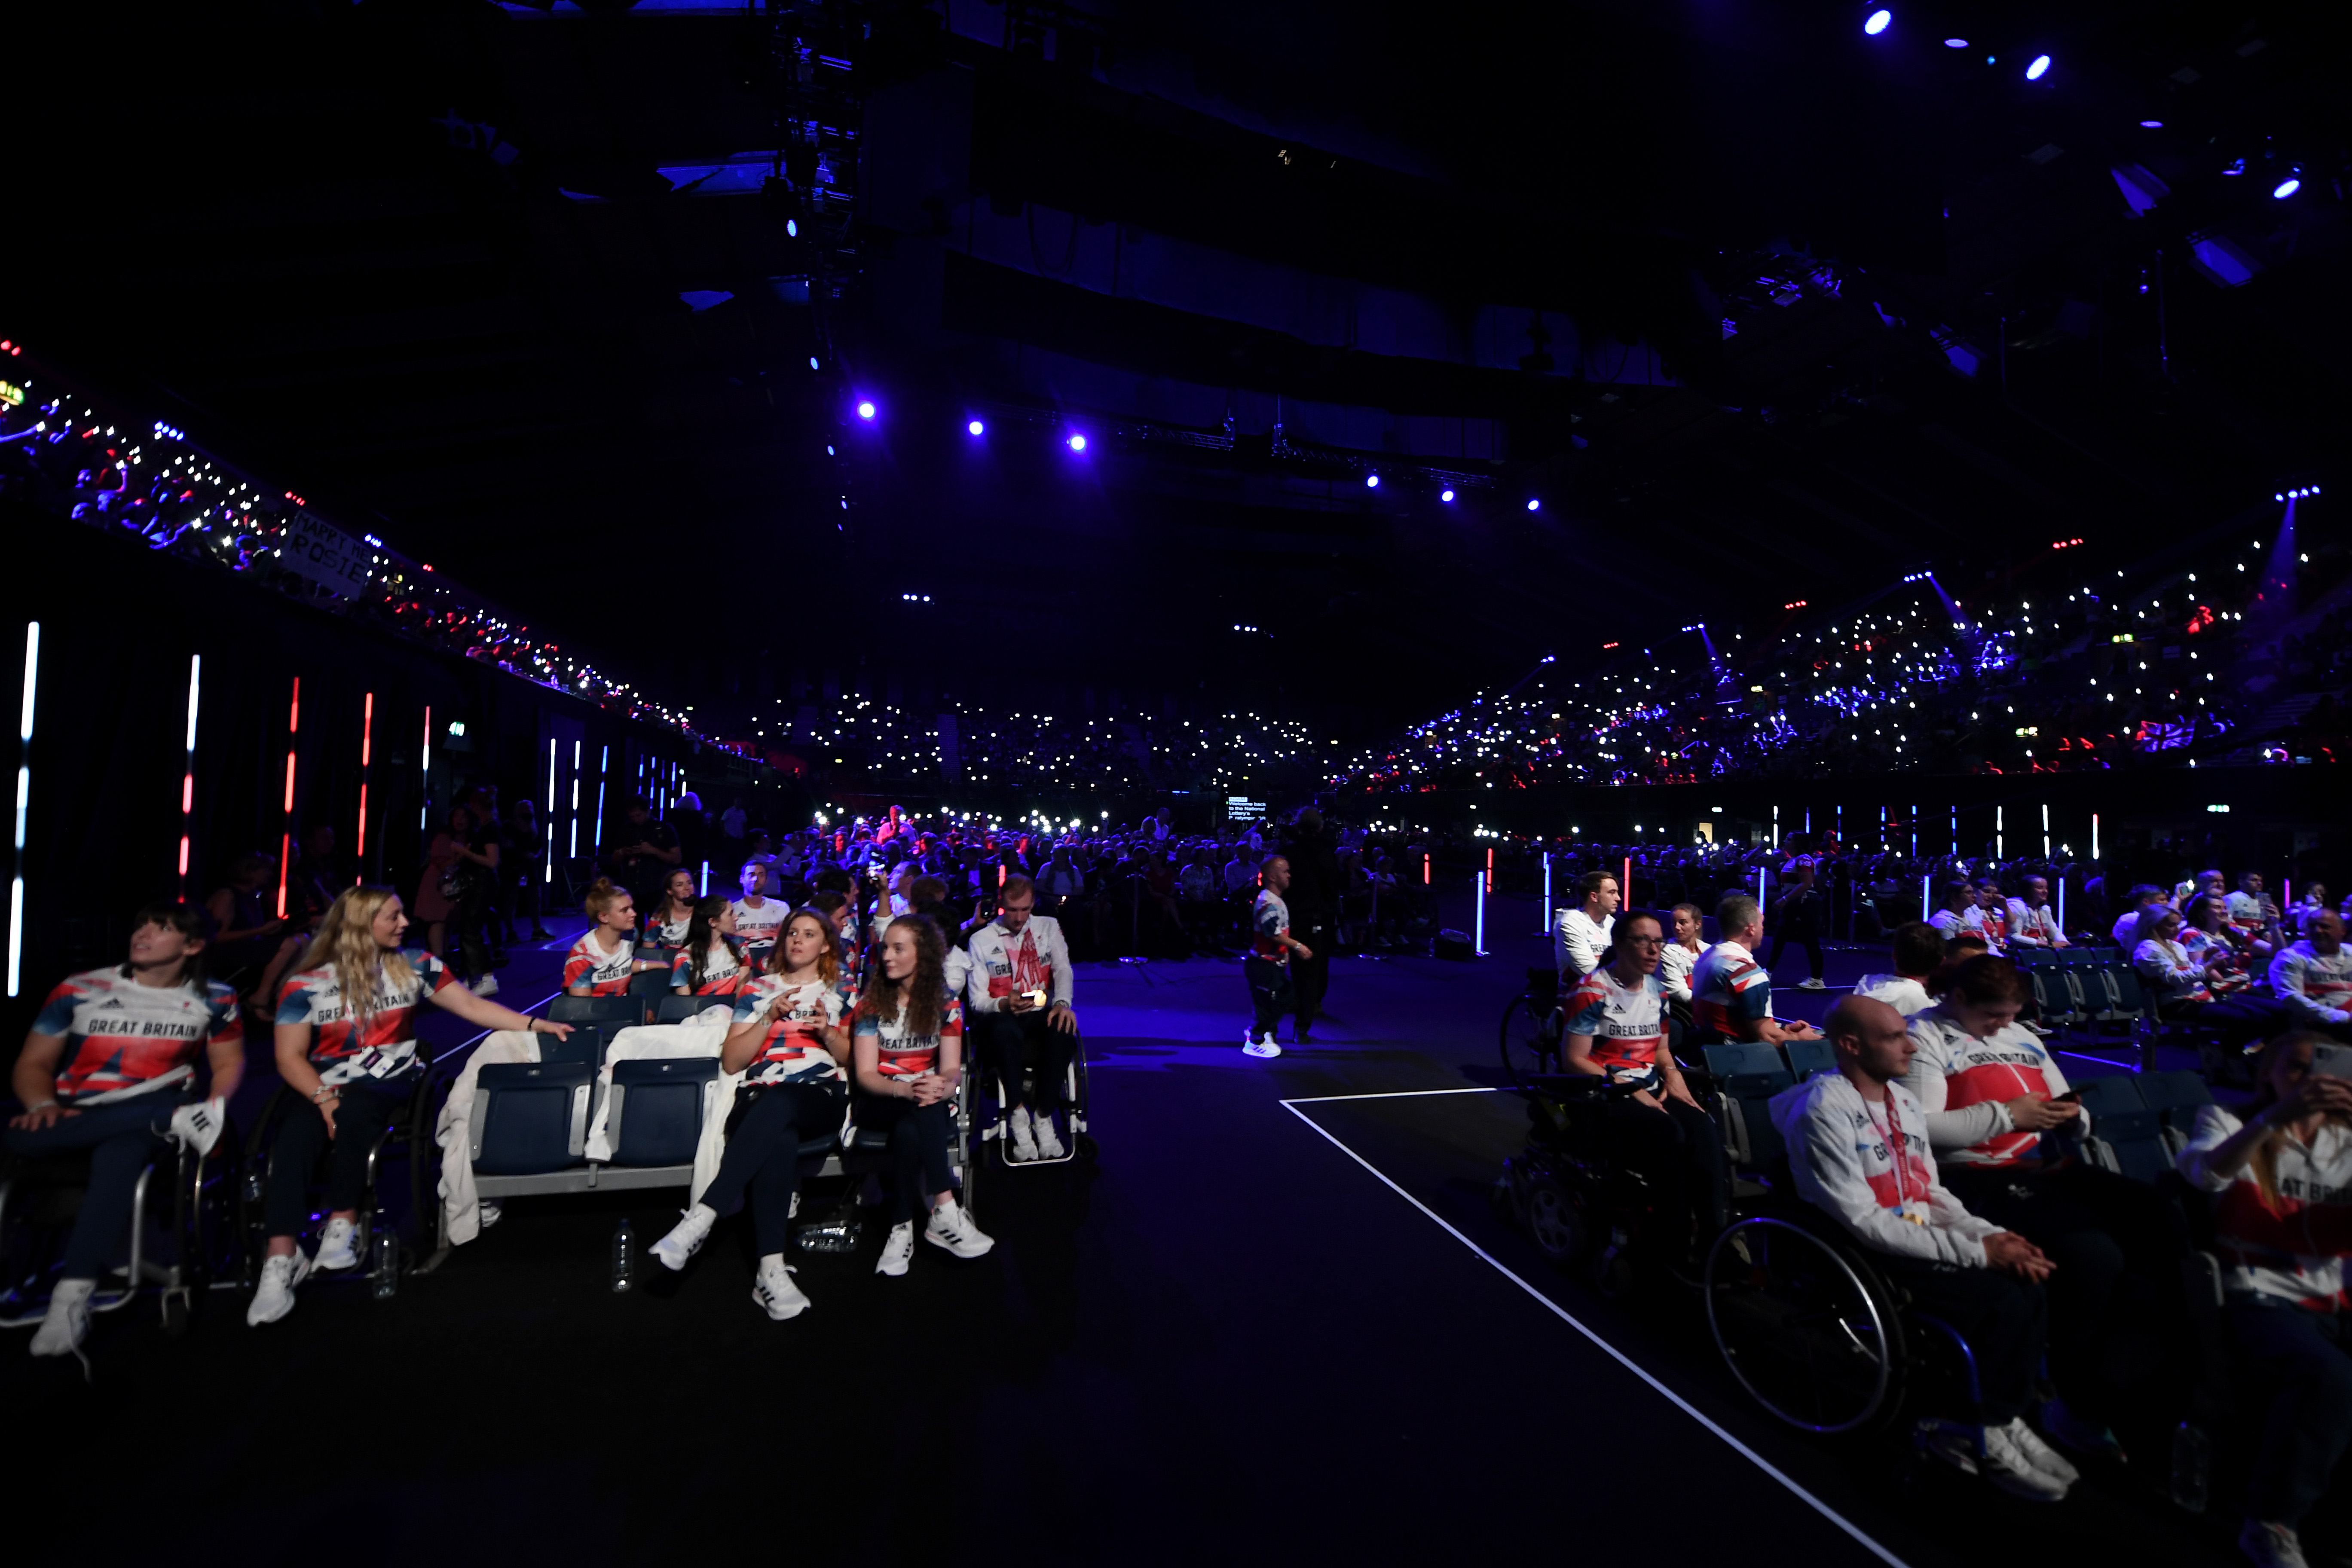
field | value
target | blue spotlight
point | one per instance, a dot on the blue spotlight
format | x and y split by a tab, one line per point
2039	69
1446	494
1534	504
812	361
1371	482
977	428
2151	125
1876	21
866	411
1955	43
2285	188
1077	443
792	228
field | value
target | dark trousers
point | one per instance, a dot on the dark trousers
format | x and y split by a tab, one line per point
1678	1150
1811	940
918	1150
1004	1042
2004	1319
2236	1018
526	897
363	1114
764	1157
121	1138
2118	1333
1271	994
465	929
1311	977
2303	1362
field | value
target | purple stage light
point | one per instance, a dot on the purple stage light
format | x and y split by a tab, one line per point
1447	494
1534	504
2285	188
1955	43
1371	482
1077	443
2039	69
2151	125
812	361
977	428
1876	21
866	411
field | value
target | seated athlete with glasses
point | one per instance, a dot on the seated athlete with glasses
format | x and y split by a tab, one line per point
1616	1029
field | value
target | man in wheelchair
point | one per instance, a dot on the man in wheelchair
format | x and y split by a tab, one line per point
1858	1149
1615	1031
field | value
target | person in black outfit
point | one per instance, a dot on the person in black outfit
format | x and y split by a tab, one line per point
643	854
529	862
1798	916
1313	910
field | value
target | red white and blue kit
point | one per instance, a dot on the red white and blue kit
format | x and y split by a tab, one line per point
667	933
2288	1249
1869	1165
124	1039
1963	1083
757	929
378	1044
1990	924
604	974
1627	1023
901	1055
1269	923
1730	991
793	1050
724	973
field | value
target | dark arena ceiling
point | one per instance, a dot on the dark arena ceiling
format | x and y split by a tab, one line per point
1757	307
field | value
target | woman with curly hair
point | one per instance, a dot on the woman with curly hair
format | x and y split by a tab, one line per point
908	1049
347	1043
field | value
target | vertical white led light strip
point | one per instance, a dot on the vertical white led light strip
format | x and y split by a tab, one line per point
24	801
188	773
575	800
549	877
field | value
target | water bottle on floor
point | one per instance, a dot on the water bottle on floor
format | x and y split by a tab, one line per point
2192	1465
384	1261
624	1256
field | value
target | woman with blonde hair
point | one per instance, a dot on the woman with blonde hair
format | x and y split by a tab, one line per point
346	1042
907	1050
604	959
789	1043
2283	1228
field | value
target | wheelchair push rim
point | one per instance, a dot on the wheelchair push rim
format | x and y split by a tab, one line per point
1527	1048
1799	1329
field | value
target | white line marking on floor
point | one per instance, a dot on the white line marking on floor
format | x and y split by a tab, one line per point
1391	1094
1759	1460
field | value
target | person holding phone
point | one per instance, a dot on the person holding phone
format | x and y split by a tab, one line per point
2006	1127
2282	1168
1018	994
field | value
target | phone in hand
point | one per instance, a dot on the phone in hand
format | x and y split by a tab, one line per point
2334	1061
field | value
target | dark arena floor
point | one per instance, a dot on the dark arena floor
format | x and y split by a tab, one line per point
1276	1320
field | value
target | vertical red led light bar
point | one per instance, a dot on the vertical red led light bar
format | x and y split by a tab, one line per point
286	835
188	773
367	745
1490	867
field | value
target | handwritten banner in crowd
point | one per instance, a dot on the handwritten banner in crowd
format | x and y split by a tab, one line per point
327	555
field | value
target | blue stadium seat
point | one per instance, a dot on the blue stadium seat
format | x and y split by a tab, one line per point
600	1016
2176	1097
677	1009
530	1117
1747	1076
2126	1135
1807	1058
650	983
658	1108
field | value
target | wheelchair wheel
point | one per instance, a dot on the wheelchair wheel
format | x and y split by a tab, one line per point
1553	1222
1805	1334
1530	1040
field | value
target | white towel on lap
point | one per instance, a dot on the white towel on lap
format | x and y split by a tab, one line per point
461	1210
656	1040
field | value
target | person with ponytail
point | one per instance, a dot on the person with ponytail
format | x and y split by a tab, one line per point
667	928
710	961
109	1067
346	1043
789	1043
2282	1166
908	1049
604	959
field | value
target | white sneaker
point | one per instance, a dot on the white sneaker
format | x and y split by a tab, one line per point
67	1323
2045	1459
487	986
491	1213
686	1237
1049	1143
275	1296
1025	1142
2005	1465
338	1247
2271	1545
774	1292
1811	982
952	1228
898	1248
1262	1048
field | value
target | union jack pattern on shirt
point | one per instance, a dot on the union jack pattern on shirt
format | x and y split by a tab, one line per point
124	1039
1730	991
1269	923
2009	1064
724	973
2289	1248
380	1043
1626	1022
901	1055
793	1050
604	974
